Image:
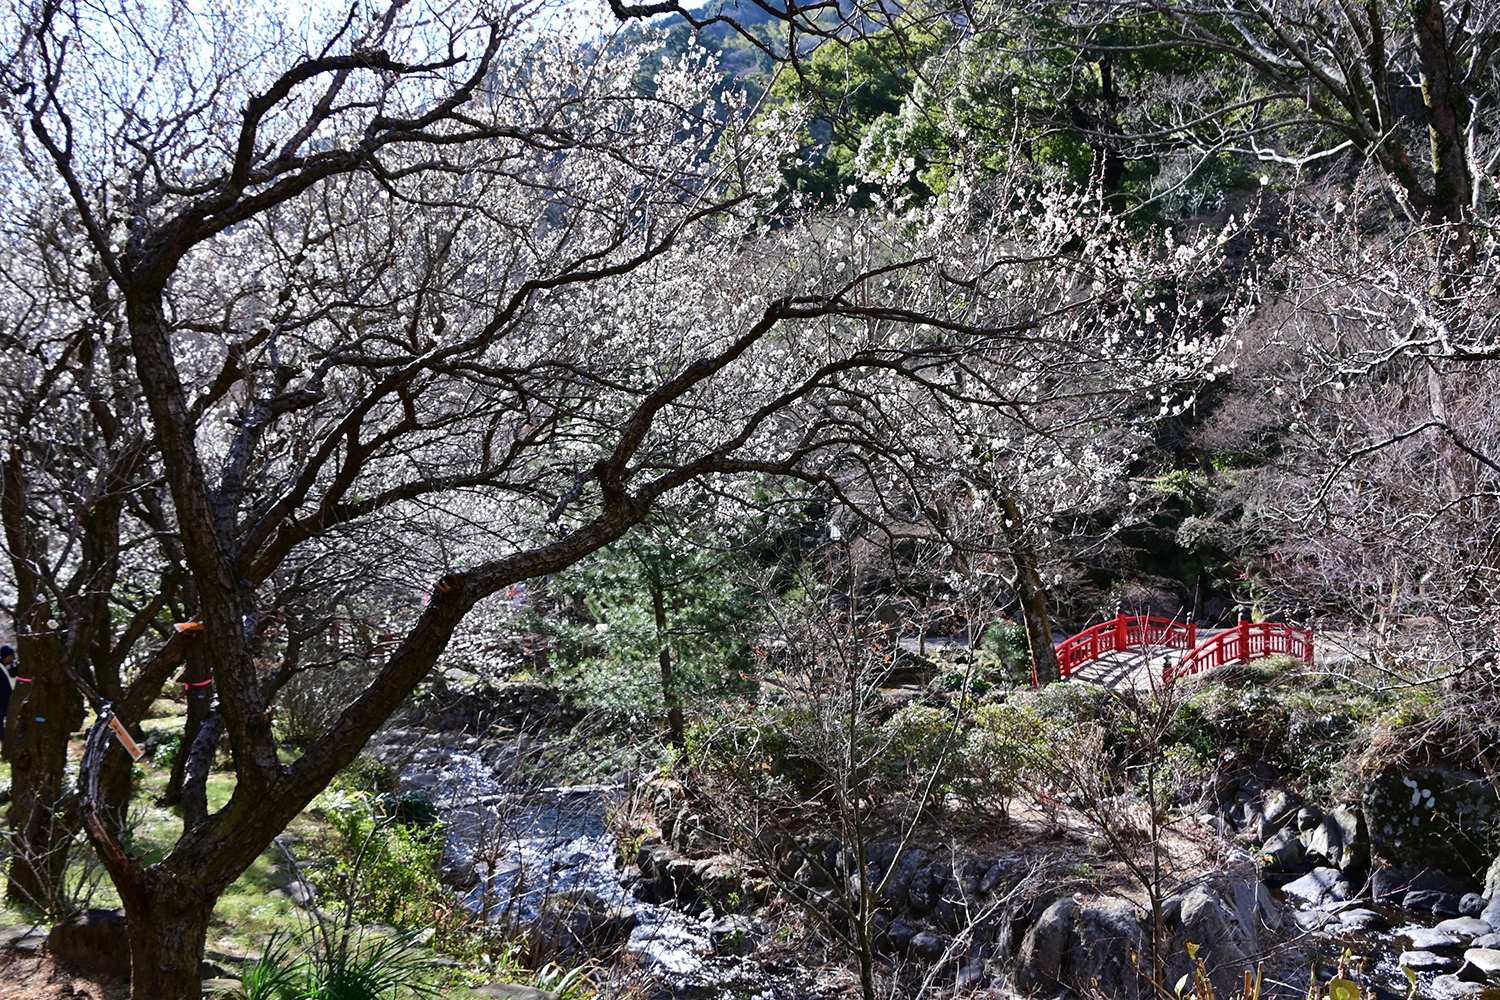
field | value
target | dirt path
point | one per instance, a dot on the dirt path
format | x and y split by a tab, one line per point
29	975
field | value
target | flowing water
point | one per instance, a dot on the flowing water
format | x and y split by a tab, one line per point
523	845
1376	950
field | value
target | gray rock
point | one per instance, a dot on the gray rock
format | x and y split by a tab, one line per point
1363	920
1309	817
1453	988
1484	959
1471	904
1218	824
1312	920
1427	939
1391	884
95	941
1486	941
1443	904
996	875
1470	973
1248	818
1464	927
1269	913
971	975
1354	837
213	970
733	935
512	991
1427	961
1492	879
300	892
926	887
1109	930
1339	841
22	937
1491	914
1320	887
578	923
928	946
1222	922
1279	807
1284	853
1083	948
679	879
1322	845
1388	885
900	933
1039	963
907	866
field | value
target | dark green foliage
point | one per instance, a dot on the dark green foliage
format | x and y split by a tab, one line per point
851	88
607	637
1005	654
410	809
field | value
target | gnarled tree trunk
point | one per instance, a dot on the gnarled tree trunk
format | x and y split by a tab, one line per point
44	712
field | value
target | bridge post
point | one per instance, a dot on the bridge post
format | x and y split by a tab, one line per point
1122	636
1192	630
1244	627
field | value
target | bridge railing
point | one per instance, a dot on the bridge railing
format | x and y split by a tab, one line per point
1124	632
1246	641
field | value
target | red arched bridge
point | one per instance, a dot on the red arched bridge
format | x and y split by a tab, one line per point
1243	642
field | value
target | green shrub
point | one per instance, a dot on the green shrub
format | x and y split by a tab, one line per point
971	683
924	739
997	747
1005	654
166	752
383	868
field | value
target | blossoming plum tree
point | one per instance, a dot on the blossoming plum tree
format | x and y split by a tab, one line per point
402	307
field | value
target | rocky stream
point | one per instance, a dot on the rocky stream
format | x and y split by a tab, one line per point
1398	879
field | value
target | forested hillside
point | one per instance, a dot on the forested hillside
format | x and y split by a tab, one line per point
751	500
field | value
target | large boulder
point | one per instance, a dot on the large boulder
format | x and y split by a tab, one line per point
1040	961
1339	840
1284	852
93	941
926	887
1320	887
1210	923
1222	919
928	947
1084	948
734	935
1442	904
1433	817
1486	960
1279	807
